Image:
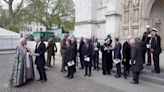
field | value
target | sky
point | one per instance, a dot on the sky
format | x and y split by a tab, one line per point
15	3
5	5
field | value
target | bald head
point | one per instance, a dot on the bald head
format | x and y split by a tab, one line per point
23	41
129	38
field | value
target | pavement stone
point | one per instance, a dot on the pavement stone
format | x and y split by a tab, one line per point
57	83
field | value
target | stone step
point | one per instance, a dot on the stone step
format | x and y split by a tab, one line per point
152	79
148	76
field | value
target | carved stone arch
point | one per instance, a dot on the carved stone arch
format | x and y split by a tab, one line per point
147	8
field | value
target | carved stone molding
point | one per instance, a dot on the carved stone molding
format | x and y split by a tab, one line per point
136	3
126	4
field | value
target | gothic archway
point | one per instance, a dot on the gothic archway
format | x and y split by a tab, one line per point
156	17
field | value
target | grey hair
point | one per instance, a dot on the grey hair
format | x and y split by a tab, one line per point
38	38
137	40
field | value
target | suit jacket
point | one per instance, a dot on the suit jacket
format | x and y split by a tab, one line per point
98	46
41	49
68	55
117	51
145	38
156	44
126	51
136	57
74	48
80	47
87	51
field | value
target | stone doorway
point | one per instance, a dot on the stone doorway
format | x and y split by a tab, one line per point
156	18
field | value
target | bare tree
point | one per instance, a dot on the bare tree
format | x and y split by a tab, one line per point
11	11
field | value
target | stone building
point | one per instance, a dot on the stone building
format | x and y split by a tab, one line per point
118	17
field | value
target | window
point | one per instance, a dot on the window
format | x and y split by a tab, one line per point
41	29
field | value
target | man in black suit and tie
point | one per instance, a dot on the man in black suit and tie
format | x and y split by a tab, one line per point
117	56
40	49
87	53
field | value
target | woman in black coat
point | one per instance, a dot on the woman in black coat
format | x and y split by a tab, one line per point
136	59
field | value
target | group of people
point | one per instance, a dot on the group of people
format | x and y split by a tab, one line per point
23	69
132	54
88	50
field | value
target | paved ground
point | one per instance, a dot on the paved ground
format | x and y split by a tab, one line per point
57	83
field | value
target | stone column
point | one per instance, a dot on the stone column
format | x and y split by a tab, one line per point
113	18
85	18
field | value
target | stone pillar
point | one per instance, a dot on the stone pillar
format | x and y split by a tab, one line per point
85	18
113	18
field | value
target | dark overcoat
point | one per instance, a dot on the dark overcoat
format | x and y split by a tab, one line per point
136	57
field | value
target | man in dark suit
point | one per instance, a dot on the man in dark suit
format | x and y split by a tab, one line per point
87	53
69	58
40	49
126	56
136	59
156	49
96	49
74	50
146	45
117	56
80	53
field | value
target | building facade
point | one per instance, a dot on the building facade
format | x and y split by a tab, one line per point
119	18
31	27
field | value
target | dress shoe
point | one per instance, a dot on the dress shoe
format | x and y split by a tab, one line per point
117	76
85	74
43	80
133	82
148	64
109	73
66	76
125	77
89	75
70	77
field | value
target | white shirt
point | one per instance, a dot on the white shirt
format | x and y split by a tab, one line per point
38	44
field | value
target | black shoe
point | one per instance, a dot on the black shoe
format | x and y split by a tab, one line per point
66	76
109	73
89	75
133	82
148	64
104	73
118	76
70	77
125	77
43	80
85	75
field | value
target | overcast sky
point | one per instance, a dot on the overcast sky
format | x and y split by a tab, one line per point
15	3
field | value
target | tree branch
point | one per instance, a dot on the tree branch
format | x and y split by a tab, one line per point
19	7
6	1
